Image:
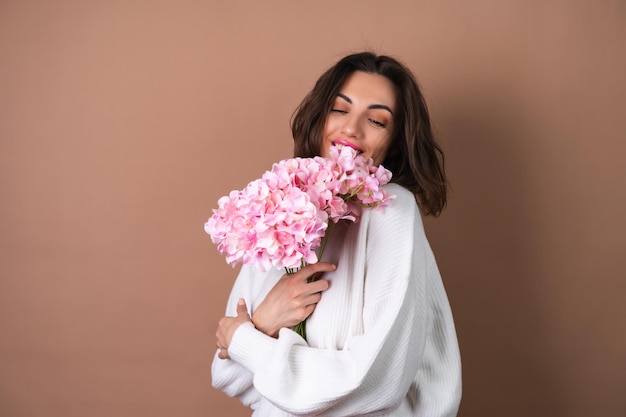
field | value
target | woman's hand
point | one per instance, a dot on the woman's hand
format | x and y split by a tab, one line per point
226	328
292	299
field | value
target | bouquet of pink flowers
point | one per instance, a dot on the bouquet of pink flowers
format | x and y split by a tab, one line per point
282	218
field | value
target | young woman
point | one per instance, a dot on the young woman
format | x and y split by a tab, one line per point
381	340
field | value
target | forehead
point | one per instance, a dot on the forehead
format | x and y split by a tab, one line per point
365	88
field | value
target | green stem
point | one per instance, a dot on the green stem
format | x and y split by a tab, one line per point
317	276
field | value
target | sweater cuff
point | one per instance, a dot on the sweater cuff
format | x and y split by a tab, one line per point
249	346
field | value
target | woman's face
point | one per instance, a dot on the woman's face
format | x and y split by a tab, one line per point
362	116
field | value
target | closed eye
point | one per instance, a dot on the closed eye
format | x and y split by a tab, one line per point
338	111
377	123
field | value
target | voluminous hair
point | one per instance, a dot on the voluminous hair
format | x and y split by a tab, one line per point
414	157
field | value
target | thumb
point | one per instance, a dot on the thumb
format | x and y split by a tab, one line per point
242	310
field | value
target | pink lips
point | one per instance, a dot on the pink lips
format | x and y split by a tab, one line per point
345	143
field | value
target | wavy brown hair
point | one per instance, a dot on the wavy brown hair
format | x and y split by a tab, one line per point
414	157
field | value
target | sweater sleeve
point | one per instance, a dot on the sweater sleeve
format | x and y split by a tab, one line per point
227	375
374	374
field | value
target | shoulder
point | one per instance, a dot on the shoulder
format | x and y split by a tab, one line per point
402	205
400	218
402	196
252	281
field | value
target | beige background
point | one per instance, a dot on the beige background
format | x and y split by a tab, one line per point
122	122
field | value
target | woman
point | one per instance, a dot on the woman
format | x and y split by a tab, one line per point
382	340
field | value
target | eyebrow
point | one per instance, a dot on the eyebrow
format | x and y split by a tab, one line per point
372	106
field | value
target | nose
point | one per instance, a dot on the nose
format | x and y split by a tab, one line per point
351	126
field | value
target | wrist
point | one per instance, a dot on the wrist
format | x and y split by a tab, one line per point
259	325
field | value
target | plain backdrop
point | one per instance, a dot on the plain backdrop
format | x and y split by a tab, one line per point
123	122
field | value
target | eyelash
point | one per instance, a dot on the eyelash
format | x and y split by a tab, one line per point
377	123
373	121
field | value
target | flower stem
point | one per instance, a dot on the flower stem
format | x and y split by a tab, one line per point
317	275
300	328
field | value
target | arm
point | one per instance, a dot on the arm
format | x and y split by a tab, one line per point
377	370
227	375
290	301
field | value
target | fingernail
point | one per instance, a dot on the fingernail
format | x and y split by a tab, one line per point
241	301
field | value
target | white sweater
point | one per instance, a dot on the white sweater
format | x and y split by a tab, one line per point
381	341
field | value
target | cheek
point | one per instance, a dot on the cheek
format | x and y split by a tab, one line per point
381	149
325	143
329	127
324	152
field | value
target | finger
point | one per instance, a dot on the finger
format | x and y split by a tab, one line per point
313	272
319	267
318	285
312	299
223	354
308	310
241	308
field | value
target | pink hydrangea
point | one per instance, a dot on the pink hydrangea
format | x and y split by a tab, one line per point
280	219
267	224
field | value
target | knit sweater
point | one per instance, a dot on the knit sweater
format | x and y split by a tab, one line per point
381	342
